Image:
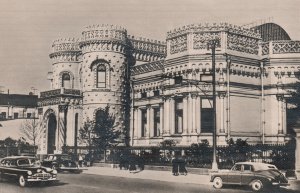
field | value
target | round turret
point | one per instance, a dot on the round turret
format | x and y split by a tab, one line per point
65	56
104	71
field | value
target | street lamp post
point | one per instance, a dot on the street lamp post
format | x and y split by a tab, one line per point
212	44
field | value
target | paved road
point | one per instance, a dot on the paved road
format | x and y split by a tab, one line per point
88	183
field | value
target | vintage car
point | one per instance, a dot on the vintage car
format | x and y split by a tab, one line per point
26	170
61	163
255	175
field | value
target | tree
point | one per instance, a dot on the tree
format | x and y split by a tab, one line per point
86	133
102	133
106	134
31	131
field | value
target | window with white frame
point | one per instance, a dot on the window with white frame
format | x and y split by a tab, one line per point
101	76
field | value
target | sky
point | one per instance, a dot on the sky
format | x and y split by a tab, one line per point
28	27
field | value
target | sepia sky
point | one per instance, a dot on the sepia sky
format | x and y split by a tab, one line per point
28	27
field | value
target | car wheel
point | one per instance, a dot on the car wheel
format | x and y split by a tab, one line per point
218	182
256	185
22	181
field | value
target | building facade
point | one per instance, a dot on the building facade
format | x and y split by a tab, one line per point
163	90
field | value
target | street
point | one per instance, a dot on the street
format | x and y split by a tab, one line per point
88	183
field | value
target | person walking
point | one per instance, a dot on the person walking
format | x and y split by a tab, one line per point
175	166
182	168
80	160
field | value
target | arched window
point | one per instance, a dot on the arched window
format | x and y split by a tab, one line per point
101	76
66	80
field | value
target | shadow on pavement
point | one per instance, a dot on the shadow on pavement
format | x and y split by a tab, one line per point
266	190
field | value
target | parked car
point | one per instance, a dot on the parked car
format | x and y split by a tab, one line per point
256	175
25	170
61	162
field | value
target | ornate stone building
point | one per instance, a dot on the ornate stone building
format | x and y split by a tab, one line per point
162	90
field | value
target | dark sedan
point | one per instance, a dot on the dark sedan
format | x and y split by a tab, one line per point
61	163
26	169
256	175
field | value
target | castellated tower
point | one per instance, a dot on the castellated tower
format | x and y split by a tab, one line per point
65	56
60	108
104	72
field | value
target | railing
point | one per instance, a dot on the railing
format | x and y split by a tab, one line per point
58	92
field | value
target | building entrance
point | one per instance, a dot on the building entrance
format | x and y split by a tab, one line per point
52	124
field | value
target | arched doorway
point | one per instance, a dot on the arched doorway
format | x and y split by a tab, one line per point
52	124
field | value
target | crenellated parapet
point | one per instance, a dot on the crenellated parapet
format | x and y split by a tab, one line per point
193	39
65	50
104	38
147	50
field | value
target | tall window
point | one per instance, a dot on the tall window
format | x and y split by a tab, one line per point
156	122
144	122
101	76
207	116
178	116
66	80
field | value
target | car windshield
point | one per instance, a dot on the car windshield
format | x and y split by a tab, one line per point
35	162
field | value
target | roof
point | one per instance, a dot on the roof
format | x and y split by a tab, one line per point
19	100
271	32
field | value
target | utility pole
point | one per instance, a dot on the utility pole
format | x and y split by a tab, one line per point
212	44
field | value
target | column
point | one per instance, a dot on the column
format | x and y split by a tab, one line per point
297	153
284	115
172	115
166	117
194	114
280	128
161	117
185	114
190	107
136	126
62	127
139	122
147	132
151	121
198	115
222	126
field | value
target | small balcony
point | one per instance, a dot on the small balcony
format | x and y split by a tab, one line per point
60	92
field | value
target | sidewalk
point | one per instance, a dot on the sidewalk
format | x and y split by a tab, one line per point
165	176
149	174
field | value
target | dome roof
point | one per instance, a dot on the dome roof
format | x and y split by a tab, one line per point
271	32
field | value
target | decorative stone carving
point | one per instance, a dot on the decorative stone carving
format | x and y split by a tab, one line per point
65	50
265	48
200	40
213	28
282	47
178	44
244	44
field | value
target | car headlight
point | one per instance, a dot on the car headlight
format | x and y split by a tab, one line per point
29	173
270	179
38	170
54	172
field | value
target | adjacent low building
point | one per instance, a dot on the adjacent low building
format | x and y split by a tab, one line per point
163	90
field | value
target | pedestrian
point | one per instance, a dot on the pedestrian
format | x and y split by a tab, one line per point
132	162
80	160
175	166
182	168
